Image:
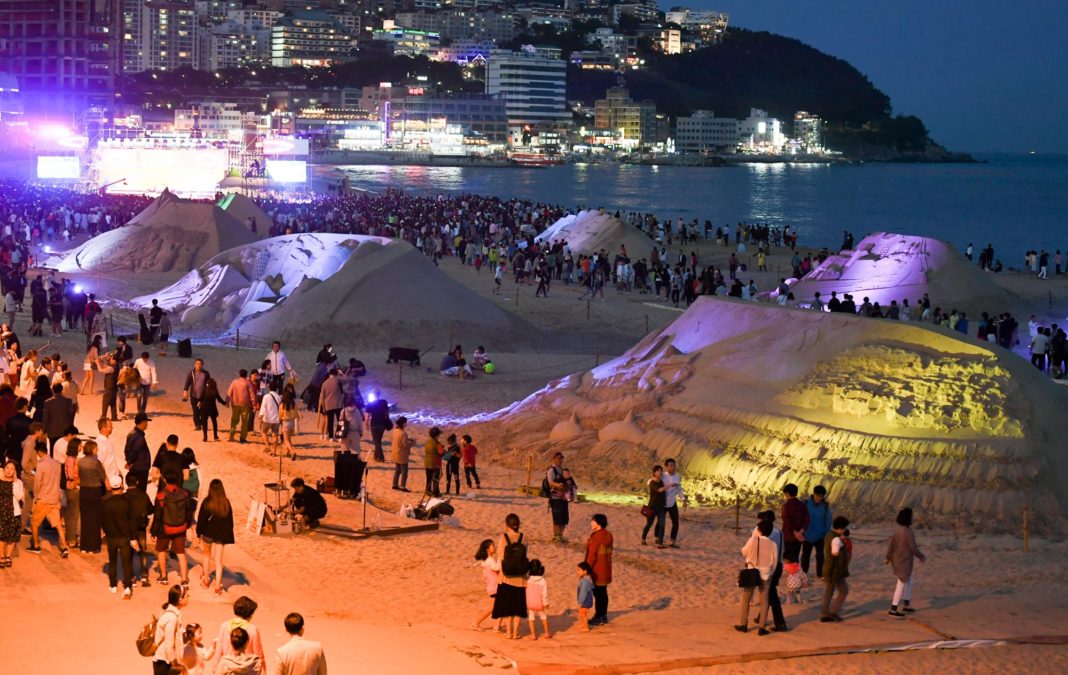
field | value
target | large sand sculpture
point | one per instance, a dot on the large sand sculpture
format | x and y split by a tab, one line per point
885	266
751	397
587	232
315	288
171	235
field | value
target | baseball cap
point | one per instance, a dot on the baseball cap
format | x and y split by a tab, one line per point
115	482
140	417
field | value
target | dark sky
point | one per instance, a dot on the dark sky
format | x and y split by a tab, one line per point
983	75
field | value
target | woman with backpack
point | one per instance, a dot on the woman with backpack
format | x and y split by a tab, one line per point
168	633
215	528
511	600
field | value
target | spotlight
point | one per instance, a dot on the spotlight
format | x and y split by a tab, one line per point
77	288
47	248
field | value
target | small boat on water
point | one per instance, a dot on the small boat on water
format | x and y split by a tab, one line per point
534	158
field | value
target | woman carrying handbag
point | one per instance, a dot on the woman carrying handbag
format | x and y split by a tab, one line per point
761	556
656	508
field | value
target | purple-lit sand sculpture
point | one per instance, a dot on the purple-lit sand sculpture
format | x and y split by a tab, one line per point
889	267
750	397
319	287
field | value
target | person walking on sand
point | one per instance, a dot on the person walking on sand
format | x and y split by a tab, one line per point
196	381
837	554
240	397
470	455
900	553
118	527
599	558
299	656
762	554
215	529
673	494
433	451
655	509
402	454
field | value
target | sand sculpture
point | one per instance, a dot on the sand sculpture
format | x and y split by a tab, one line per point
885	266
751	397
316	287
587	232
171	235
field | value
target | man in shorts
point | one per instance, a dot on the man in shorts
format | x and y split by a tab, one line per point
271	418
173	516
554	477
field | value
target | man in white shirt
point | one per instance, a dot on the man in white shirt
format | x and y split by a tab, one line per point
271	417
147	370
299	656
762	554
279	364
672	496
105	451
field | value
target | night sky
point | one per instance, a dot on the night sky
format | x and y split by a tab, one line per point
983	75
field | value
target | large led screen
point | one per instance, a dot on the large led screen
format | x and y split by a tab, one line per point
62	167
287	171
186	171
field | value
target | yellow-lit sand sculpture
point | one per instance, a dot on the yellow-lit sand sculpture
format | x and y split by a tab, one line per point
750	397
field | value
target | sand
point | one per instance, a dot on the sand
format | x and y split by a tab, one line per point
404	605
171	235
589	232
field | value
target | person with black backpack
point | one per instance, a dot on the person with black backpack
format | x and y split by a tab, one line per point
510	602
173	516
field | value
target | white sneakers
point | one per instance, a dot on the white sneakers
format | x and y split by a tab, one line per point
114	590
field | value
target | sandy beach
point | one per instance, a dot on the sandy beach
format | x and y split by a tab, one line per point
405	604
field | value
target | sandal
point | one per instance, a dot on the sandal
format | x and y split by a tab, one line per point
218	592
205	580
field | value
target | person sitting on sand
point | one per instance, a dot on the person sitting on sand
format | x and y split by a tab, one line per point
479	359
451	367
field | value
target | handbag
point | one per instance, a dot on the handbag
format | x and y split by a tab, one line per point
750	576
647	511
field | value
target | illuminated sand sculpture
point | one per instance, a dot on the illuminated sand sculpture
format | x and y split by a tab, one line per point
750	397
320	287
886	266
587	232
170	235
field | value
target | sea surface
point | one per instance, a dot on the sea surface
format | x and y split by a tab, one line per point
1015	202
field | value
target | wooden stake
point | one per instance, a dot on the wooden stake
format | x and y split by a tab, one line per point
737	514
1027	546
530	468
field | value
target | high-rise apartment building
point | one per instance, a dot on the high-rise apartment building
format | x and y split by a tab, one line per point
462	24
159	35
310	38
808	131
635	120
710	26
61	51
534	88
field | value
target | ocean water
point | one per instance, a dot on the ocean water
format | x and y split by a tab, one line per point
1015	202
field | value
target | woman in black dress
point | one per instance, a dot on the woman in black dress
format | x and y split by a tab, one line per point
209	407
11	491
511	600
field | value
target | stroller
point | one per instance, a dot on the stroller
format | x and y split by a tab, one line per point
433	508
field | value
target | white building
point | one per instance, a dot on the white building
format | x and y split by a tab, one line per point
760	133
310	38
461	24
213	120
230	45
534	88
704	132
711	26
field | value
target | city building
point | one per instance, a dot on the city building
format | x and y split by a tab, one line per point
636	120
644	12
710	26
669	41
416	106
703	132
10	99
465	52
760	133
618	45
808	132
209	120
533	88
254	17
62	52
231	45
404	41
462	24
595	60
159	35
310	38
